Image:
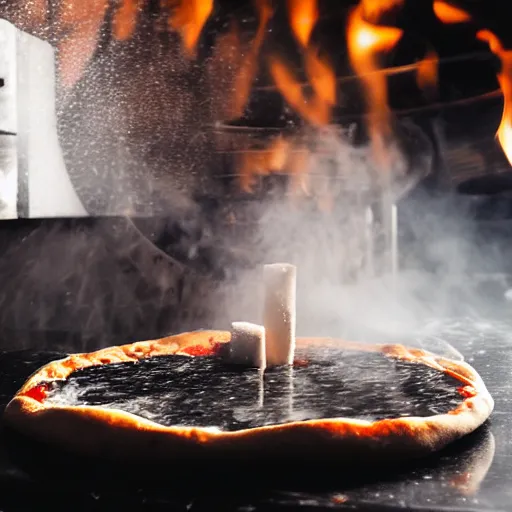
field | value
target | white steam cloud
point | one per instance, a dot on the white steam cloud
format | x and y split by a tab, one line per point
337	295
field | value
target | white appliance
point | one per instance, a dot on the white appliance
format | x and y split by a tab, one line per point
33	177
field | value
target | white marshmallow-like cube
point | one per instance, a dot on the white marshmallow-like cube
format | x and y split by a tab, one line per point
279	313
247	345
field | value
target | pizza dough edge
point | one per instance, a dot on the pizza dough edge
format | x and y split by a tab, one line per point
118	435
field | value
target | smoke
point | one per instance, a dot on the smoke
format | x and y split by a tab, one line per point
133	136
337	293
83	284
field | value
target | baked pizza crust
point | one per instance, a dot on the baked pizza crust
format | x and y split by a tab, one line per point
117	435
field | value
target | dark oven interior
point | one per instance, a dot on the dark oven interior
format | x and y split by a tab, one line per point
195	132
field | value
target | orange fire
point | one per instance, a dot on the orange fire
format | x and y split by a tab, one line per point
252	164
125	19
303	15
365	41
188	18
81	22
249	63
373	10
312	108
504	133
281	155
315	107
427	71
321	77
450	14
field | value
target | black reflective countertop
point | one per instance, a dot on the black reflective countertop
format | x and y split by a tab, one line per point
473	474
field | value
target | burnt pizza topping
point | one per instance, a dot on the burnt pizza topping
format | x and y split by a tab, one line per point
208	392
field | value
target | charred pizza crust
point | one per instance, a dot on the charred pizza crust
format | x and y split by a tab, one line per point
117	435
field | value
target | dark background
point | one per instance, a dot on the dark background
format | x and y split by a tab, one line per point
136	131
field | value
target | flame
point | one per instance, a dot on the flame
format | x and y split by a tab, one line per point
365	39
504	133
249	65
313	109
316	108
427	71
494	43
298	161
450	14
321	77
125	19
374	9
303	15
364	42
282	155
188	19
252	164
81	22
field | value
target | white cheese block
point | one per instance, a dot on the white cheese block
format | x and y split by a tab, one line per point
247	345
279	313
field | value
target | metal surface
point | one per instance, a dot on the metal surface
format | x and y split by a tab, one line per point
8	122
473	474
49	192
33	178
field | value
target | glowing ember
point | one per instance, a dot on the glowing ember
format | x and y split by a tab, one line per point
365	41
188	18
449	14
125	19
505	79
303	15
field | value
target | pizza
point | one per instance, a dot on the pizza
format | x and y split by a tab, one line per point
116	434
255	393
